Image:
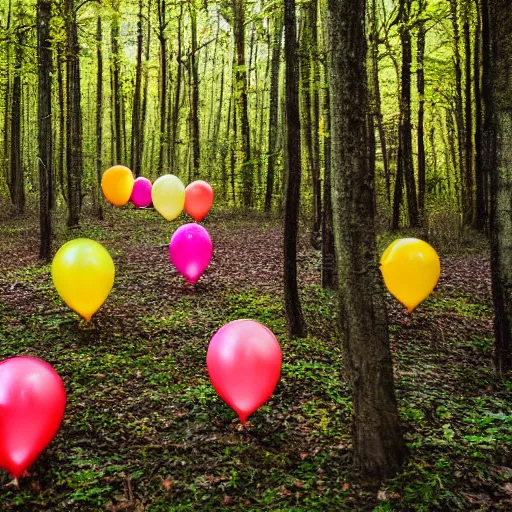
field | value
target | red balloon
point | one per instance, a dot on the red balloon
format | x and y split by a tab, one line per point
198	199
32	403
244	363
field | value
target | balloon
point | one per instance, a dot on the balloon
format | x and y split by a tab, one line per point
168	196
83	273
191	251
244	363
411	269
198	199
32	403
141	193
117	185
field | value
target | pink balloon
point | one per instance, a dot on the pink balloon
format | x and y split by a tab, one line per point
141	193
244	362
191	251
32	403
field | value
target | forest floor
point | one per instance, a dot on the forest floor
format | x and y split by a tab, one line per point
144	429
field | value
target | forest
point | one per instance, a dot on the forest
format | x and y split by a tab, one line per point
256	255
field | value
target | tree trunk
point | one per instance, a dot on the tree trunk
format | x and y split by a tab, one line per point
273	110
140	152
62	122
116	89
17	185
177	96
137	133
44	159
458	98
162	38
194	105
481	219
468	210
379	448
500	150
487	121
99	115
376	100
7	100
294	319
247	173
405	167
420	77
74	159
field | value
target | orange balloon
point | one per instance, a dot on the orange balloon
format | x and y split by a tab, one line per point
117	185
198	199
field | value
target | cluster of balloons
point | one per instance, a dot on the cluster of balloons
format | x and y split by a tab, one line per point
83	271
168	194
32	403
411	269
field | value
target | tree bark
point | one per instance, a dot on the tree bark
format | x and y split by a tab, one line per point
99	114
140	153
379	448
468	209
74	158
116	89
177	97
420	82
294	319
500	151
17	185
480	219
44	125
247	170
162	38
273	110
7	101
194	105
137	132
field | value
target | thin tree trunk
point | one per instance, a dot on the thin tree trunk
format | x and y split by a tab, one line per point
136	131
62	122
116	90
294	319
468	209
480	220
487	120
379	448
17	185
273	110
74	159
177	95
247	173
44	125
459	117
142	126
420	78
162	38
99	114
7	99
194	106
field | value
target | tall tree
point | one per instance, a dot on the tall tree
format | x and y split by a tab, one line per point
17	178
137	133
44	158
116	85
379	448
405	166
420	83
247	173
273	108
7	97
99	114
294	318
74	157
194	93
500	107
162	38
468	209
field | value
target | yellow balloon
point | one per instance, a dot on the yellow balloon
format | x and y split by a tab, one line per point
83	273
168	195
117	185
411	269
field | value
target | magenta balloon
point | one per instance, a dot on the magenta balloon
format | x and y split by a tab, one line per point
141	194
191	251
